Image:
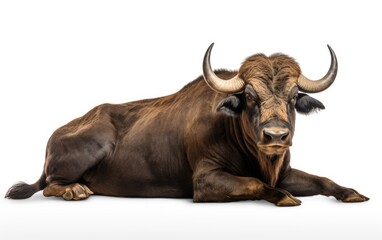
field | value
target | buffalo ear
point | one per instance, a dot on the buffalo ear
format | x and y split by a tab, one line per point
305	104
230	106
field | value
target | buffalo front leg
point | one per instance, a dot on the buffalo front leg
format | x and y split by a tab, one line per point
219	186
300	183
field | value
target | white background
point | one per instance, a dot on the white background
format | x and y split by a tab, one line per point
58	59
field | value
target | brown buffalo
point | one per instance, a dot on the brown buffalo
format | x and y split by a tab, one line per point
225	140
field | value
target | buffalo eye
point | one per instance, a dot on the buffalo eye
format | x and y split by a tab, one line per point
252	101
250	94
293	100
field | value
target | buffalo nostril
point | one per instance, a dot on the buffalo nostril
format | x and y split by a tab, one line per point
285	136
267	136
275	134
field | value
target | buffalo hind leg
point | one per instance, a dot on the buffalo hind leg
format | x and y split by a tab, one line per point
300	183
71	158
75	191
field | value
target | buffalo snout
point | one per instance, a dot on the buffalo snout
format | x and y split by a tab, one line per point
276	136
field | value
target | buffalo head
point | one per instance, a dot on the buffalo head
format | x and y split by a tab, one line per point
265	94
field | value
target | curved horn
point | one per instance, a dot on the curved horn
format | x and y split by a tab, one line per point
230	86
314	86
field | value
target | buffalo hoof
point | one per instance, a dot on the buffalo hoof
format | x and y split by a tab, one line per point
77	192
288	200
74	191
352	195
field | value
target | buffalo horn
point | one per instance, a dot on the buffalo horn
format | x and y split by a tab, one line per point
230	86
314	86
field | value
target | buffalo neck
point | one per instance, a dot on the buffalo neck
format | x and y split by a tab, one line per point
268	166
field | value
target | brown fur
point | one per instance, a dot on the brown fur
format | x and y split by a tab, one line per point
272	78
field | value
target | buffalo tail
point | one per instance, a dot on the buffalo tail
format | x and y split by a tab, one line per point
23	190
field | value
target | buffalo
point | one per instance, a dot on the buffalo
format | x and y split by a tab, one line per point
223	137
